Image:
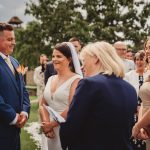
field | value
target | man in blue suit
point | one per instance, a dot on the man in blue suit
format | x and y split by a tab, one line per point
14	98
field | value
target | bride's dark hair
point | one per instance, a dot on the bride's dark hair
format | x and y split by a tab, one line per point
65	50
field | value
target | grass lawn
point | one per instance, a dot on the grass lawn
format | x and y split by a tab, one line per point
26	142
33	97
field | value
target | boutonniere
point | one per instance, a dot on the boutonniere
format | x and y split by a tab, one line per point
22	70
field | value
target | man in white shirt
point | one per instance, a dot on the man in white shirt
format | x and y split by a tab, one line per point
121	49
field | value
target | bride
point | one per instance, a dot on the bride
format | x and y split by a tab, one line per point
60	89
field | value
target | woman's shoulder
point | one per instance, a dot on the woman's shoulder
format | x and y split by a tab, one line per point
95	78
51	77
132	72
147	71
75	77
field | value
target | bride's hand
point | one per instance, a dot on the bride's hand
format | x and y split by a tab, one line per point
46	127
50	134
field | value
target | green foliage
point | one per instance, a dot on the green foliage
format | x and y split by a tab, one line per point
104	20
58	20
34	115
30	44
26	142
33	98
111	17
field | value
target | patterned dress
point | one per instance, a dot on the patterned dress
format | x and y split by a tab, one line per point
136	81
138	144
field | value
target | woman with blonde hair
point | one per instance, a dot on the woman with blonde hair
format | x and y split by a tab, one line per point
103	105
110	62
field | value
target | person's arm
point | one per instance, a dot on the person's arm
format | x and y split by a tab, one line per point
78	113
143	122
140	112
44	115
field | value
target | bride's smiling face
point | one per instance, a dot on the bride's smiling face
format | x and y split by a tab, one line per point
59	60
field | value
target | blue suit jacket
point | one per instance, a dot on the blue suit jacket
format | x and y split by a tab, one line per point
14	98
49	71
101	115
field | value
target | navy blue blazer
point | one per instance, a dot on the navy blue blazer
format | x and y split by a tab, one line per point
14	98
101	115
49	71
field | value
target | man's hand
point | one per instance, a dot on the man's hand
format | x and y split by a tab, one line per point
22	119
18	120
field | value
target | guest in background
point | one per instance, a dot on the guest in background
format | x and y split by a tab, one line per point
49	71
144	121
129	54
39	75
102	109
136	79
121	49
147	53
77	43
60	89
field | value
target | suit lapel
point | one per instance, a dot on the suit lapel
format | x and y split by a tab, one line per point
9	72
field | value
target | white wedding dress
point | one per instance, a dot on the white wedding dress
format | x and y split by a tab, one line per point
59	102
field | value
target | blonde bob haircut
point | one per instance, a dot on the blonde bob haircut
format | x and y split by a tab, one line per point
110	62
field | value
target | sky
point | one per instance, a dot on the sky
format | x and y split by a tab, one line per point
10	8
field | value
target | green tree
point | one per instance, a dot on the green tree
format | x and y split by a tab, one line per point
59	20
30	44
118	20
103	20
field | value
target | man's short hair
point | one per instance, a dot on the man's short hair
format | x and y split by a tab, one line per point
74	39
5	26
43	55
129	50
